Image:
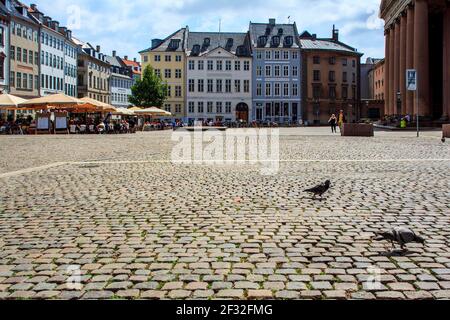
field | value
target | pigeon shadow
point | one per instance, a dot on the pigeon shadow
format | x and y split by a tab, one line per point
396	253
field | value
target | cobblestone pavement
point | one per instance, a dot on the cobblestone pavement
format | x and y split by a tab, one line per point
141	227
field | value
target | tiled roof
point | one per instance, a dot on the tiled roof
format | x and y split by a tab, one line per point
133	65
164	45
325	44
261	29
114	61
227	40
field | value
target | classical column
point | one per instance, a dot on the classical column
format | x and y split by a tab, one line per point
410	56
422	55
396	65
391	72
387	83
402	79
446	66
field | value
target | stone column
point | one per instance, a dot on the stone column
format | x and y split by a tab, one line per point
446	65
391	71
396	65
422	55
387	83
402	78
410	56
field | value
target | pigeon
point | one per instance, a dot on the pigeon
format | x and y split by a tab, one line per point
443	140
320	189
401	235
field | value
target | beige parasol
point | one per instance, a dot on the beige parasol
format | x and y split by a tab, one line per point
54	101
10	102
153	111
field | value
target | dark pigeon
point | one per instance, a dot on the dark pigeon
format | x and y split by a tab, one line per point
443	140
400	235
320	189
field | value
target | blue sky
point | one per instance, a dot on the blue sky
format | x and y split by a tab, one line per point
129	26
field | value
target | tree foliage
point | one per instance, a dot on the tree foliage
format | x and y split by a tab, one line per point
149	91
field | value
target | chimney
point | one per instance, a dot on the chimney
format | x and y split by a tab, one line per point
33	7
335	33
272	22
114	53
135	60
55	25
125	57
314	36
47	21
98	49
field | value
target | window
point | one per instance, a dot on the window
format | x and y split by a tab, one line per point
246	86
158	72
354	77
354	63
345	92
19	54
210	85
24	81
191	65
219	107
167	107
169	91
191	85
168	58
316	75
178	73
286	71
237	66
12	79
316	60
228	85
201	65
277	90
246	65
276	55
295	89
259	89
332	60
30	82
332	76
228	65
201	85
268	71
332	92
277	71
209	107
259	54
19	80
168	73
200	107
258	71
219	85
237	85
36	58
210	65
286	89
295	55
30	57
2	36
178	58
13	53
219	65
268	89
191	107
286	55
146	58
344	77
228	107
178	91
344	62
268	55
295	71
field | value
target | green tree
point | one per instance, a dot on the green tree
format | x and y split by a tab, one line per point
149	91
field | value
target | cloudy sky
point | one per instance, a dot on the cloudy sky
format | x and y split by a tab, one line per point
128	26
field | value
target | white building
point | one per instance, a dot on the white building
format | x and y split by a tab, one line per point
121	81
219	74
70	64
4	49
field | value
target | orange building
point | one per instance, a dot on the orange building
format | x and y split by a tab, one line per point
378	82
331	78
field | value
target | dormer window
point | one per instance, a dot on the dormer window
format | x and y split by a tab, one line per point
196	50
229	44
280	31
288	41
262	41
174	44
268	31
275	41
206	42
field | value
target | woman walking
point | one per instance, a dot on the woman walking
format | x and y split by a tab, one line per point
333	123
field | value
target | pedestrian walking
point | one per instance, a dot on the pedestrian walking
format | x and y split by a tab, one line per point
333	123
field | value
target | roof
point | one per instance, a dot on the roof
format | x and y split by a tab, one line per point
229	41
16	14
133	65
164	45
114	61
326	44
271	30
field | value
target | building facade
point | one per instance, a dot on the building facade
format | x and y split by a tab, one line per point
135	68
168	59
70	64
93	71
417	34
276	72
378	80
218	77
4	48
24	52
121	81
331	79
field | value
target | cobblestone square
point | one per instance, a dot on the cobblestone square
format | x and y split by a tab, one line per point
115	213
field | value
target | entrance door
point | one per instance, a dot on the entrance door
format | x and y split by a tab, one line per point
242	112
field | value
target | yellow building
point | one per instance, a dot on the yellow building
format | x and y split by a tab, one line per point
167	57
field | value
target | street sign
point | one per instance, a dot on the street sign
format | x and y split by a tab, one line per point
411	80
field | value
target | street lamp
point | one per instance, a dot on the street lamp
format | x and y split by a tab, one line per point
399	103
